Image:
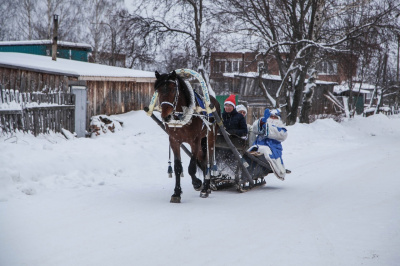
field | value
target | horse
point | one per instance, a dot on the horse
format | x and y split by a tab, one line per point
175	98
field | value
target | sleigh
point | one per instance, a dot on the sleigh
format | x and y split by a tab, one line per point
193	117
231	174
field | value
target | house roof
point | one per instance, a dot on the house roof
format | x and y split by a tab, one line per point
81	70
271	77
365	88
45	42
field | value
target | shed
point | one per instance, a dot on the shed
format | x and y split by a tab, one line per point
110	90
66	50
362	94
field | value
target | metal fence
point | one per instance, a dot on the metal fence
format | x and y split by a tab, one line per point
36	112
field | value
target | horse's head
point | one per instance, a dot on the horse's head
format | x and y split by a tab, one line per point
167	87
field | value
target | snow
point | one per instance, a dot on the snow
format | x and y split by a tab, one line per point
41	42
270	77
105	201
365	88
70	67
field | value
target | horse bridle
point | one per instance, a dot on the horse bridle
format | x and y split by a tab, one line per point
176	94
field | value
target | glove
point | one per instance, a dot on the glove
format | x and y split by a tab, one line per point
267	114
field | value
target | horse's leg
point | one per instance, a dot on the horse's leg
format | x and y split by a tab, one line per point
192	172
176	197
202	157
195	146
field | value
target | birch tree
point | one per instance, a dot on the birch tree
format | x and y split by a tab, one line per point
8	9
70	18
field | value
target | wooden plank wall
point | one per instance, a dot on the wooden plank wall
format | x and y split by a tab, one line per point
104	96
36	112
30	81
117	97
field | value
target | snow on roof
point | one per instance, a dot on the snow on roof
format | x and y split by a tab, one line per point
83	70
365	88
252	75
46	42
324	82
270	77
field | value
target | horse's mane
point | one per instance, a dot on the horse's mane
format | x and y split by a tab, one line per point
163	78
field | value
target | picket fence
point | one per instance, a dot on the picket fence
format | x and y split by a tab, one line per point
36	112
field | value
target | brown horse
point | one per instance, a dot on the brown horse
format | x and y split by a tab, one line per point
175	100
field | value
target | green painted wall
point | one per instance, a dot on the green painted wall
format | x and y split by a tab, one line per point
221	99
26	49
359	104
75	55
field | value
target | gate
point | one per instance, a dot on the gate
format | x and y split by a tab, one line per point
80	93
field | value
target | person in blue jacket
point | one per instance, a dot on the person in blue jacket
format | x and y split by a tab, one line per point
270	133
234	122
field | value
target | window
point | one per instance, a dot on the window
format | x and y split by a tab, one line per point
227	66
218	66
327	67
235	66
260	65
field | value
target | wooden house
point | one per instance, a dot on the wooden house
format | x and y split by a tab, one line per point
109	90
237	72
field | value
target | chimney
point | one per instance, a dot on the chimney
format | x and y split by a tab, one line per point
55	33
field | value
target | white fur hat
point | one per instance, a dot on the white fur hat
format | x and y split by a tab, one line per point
241	107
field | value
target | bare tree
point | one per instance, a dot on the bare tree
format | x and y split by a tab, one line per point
8	9
105	30
45	11
187	25
299	32
25	17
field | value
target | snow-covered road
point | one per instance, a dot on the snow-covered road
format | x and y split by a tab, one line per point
105	201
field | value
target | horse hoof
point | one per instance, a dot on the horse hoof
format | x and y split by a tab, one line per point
197	185
204	194
175	199
198	188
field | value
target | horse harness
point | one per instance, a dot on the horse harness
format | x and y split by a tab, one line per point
179	115
176	94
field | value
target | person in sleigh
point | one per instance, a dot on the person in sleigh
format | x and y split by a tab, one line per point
270	132
234	122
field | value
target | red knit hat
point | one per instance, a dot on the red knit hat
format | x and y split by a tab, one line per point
231	100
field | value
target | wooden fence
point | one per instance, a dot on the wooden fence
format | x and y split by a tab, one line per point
36	112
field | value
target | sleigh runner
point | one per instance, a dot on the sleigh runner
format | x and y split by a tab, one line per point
187	116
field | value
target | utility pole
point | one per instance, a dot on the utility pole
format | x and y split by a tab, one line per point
55	36
398	56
